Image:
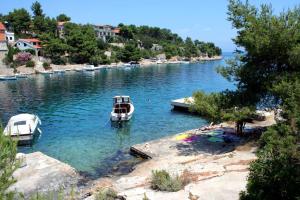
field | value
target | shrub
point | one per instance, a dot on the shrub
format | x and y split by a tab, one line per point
30	63
162	181
8	164
276	172
46	65
23	57
59	61
106	194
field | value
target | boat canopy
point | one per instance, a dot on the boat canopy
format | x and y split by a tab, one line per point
121	99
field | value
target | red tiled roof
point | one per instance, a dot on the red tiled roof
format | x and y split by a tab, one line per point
116	30
2	27
31	40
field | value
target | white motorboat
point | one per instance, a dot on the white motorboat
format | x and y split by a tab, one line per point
7	78
89	68
122	109
46	72
23	128
21	75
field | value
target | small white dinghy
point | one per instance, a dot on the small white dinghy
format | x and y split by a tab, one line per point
122	109
23	128
89	68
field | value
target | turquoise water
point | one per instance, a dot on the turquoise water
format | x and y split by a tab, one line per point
75	108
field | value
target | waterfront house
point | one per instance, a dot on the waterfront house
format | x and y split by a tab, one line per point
33	43
105	32
3	43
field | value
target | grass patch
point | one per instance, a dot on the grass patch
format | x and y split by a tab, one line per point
162	181
106	194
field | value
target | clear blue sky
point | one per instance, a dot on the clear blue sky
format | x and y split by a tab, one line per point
200	19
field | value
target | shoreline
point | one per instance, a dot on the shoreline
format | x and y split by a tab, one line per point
210	164
39	69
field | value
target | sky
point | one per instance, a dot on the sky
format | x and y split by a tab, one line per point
205	20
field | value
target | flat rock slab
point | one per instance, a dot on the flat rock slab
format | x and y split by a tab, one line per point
42	173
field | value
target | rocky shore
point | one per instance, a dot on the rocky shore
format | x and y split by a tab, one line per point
6	71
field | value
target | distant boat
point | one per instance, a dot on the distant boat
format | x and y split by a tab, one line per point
46	72
21	75
23	128
79	70
122	109
89	68
7	78
59	71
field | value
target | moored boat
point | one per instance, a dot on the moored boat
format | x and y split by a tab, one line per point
122	109
89	68
21	75
23	128
7	78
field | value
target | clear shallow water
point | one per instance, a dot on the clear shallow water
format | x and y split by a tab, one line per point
75	108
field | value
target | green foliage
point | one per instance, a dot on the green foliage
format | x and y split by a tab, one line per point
37	10
63	18
82	42
271	46
162	181
30	63
31	51
8	164
46	66
276	172
129	53
106	194
9	57
20	21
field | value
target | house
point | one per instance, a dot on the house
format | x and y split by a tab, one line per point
10	37
25	44
105	32
60	29
156	47
3	43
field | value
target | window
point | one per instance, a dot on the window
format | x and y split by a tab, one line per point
34	43
25	45
19	123
10	38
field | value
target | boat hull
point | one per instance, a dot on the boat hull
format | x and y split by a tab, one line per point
117	117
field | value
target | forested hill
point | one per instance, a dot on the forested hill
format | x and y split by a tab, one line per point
80	43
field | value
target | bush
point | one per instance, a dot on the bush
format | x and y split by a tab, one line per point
162	181
46	65
276	172
30	63
59	61
106	194
8	163
23	57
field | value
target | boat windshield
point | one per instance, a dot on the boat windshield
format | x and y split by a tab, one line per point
19	123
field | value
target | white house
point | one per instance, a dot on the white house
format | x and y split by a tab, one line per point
105	31
10	37
34	44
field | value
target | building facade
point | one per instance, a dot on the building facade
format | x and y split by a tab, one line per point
105	32
3	43
25	44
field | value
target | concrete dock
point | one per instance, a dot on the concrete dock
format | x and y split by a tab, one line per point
183	103
41	173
